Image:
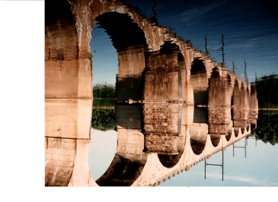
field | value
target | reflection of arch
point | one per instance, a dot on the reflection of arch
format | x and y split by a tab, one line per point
129	159
122	171
169	161
228	137
215	139
198	137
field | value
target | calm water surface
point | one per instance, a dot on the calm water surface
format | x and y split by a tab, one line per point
258	167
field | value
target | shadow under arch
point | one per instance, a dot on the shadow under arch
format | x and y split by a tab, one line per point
230	126
123	31
199	81
129	159
236	88
198	137
123	170
198	67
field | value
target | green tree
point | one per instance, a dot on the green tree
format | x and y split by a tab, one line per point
267	91
103	119
104	95
267	127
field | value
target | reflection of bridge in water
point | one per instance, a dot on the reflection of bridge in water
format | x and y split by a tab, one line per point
175	105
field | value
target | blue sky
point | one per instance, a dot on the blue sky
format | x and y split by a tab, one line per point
250	29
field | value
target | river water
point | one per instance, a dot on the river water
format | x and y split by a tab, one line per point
250	163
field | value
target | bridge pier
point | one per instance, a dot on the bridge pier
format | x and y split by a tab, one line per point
219	104
68	94
240	107
162	102
253	108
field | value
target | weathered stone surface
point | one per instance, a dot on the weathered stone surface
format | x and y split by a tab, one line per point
161	143
60	155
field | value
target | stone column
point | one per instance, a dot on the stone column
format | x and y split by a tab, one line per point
68	89
253	106
162	108
240	106
219	104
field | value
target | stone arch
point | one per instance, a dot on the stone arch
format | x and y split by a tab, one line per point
122	30
155	35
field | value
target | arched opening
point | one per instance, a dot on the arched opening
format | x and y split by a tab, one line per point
103	134
126	157
236	131
199	82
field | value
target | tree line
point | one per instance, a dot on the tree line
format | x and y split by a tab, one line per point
103	115
267	91
104	95
267	127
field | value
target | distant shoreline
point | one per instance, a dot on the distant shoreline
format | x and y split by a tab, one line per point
268	109
103	107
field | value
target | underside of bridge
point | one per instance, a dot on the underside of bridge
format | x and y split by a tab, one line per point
123	31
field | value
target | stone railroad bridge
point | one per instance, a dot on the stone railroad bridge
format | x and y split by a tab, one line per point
168	83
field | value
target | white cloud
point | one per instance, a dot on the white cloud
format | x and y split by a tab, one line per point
190	14
244	179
